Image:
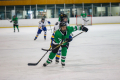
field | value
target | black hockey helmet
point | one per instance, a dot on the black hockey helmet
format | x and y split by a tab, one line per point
62	24
64	16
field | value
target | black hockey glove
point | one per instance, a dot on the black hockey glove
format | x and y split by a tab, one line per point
84	28
68	39
56	49
67	45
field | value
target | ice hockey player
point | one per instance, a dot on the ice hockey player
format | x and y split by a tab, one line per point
84	18
61	16
56	27
15	20
61	35
42	27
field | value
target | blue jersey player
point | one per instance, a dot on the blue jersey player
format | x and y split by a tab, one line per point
42	27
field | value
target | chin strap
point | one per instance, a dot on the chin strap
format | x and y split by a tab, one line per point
64	32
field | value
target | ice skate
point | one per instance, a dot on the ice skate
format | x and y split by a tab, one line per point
56	61
45	64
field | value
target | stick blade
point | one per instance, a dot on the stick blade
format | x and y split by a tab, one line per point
32	64
45	49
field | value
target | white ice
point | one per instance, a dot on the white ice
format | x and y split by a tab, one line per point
94	55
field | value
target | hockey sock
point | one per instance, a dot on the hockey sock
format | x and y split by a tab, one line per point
14	28
17	28
45	35
64	53
51	56
58	55
36	36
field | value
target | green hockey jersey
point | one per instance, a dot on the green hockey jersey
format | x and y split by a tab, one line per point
60	37
83	15
15	20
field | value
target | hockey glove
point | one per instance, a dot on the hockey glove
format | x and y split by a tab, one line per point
84	28
49	22
68	39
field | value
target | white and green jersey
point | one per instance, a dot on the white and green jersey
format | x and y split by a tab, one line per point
83	15
15	20
59	36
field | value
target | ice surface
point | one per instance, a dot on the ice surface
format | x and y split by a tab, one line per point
94	55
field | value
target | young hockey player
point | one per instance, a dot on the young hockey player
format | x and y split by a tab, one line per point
15	20
42	27
61	16
84	18
56	27
62	35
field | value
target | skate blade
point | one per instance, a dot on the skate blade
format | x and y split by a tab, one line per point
56	62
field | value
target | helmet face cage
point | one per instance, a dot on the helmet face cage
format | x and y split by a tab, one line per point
62	24
64	18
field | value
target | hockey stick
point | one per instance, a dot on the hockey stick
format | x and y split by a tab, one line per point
34	64
61	43
8	19
85	20
50	28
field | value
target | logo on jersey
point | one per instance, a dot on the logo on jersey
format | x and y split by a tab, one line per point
59	39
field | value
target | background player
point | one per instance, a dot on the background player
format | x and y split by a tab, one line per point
15	20
61	16
84	18
42	27
62	35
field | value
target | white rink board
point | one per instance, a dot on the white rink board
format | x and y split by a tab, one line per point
94	55
34	22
